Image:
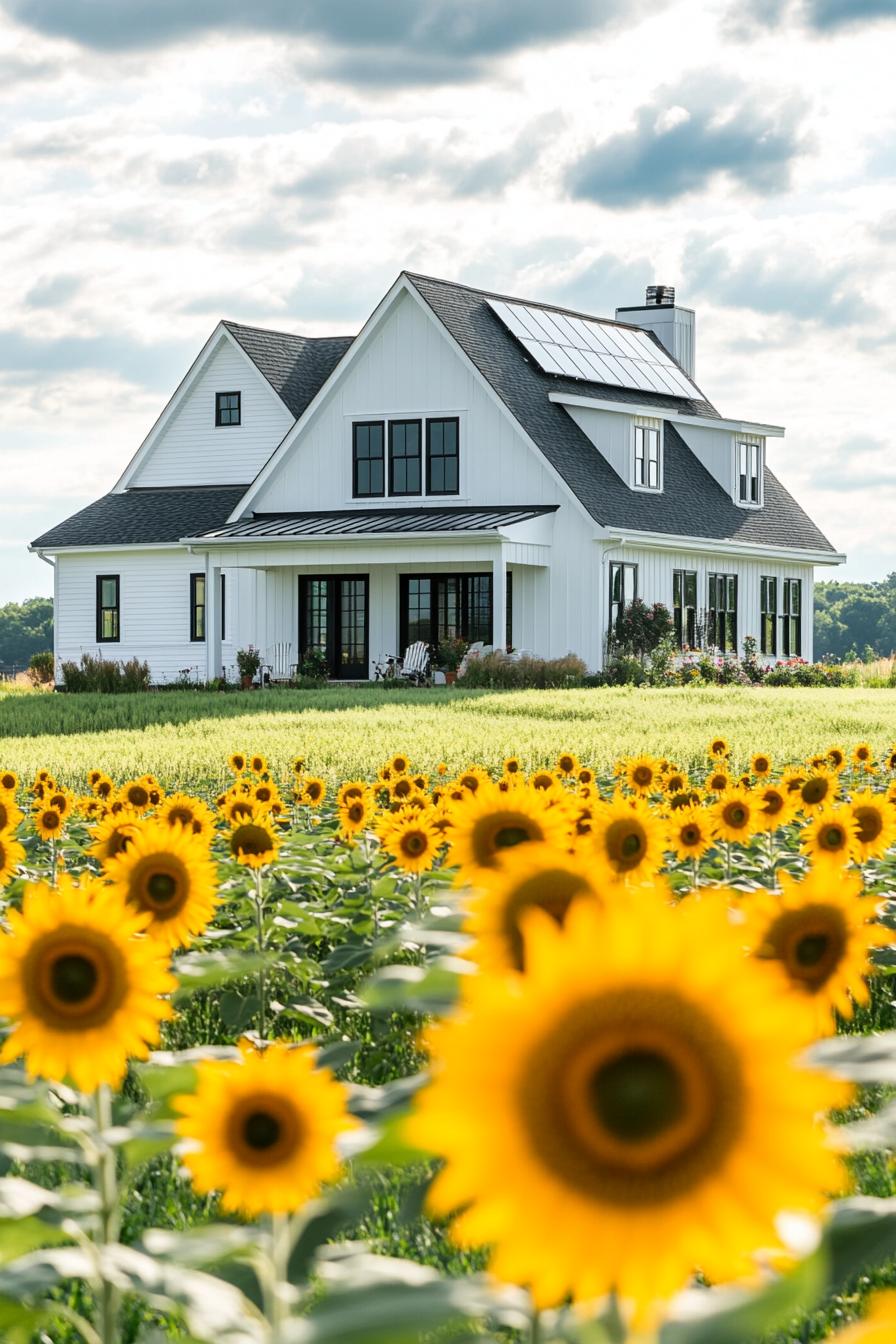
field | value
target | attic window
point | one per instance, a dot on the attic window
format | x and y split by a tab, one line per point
227	408
648	459
748	472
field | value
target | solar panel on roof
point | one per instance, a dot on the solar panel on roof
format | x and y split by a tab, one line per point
596	352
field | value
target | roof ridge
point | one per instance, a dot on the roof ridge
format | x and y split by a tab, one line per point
158	489
229	323
530	303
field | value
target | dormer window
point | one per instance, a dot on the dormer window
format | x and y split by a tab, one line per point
227	408
748	484
648	460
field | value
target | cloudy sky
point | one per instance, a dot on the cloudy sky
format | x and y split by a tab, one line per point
166	163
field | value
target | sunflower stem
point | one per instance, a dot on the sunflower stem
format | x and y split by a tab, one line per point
696	871
106	1184
53	863
277	1306
535	1334
728	848
261	940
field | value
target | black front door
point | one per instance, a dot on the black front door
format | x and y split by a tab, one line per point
333	620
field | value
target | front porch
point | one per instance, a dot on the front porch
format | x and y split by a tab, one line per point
358	599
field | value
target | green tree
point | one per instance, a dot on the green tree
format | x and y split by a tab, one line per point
851	616
26	628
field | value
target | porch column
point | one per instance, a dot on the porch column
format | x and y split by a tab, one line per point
499	598
212	620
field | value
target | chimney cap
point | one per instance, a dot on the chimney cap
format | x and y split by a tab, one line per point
660	296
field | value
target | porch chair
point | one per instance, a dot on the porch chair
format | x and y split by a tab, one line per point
279	666
415	663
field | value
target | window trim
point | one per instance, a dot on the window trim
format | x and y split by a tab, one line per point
644	485
367	424
751	445
228	424
768	583
405	494
441	420
196	606
100	609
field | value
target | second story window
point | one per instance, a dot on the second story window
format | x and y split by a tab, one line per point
647	458
442	469
368	459
405	459
684	607
227	408
749	473
108	609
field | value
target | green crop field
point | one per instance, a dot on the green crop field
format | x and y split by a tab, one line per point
187	736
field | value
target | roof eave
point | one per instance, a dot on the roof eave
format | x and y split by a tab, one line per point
662	413
622	536
347	539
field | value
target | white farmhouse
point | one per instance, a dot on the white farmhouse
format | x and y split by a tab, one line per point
467	464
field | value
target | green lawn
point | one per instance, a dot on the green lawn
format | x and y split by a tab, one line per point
187	736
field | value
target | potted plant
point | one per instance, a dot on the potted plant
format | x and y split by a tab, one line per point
449	656
248	661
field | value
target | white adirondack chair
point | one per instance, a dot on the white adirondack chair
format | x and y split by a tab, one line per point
279	665
415	663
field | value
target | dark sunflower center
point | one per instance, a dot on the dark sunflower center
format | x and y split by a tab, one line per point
736	815
263	794
871	823
833	838
414	844
51	821
261	1130
162	888
811	949
138	796
313	791
4	816
117	842
814	790
761	765
637	1095
73	978
356	812
542	782
690	835
508	836
643	775
772	803
625	844
566	763
250	840
181	814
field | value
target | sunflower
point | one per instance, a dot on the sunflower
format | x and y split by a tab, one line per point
10	814
830	838
629	840
793	779
266	795
642	775
490	822
734	815
567	763
473	778
312	791
113	834
818	789
776	807
297	764
401	788
512	765
717	781
836	758
48	822
349	790
253	840
442	768
136	793
615	1094
537	875
237	762
165	872
876	824
355	815
690	832
877	1327
263	1129
586	775
718	749
104	788
191	813
80	988
889	761
9	781
399	764
761	764
12	856
411	840
818	931
863	757
675	782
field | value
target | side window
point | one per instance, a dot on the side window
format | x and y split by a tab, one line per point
721	611
623	591
368	459
647	458
768	642
228	410
684	607
793	605
197	607
108	608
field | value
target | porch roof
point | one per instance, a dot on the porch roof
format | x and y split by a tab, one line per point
376	522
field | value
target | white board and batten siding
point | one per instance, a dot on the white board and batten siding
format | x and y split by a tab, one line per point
656	568
191	450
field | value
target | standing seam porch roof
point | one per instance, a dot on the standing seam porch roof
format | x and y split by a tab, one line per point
370	522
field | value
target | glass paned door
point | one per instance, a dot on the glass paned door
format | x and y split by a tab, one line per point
333	620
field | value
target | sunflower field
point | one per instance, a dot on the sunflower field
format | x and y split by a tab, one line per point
575	1054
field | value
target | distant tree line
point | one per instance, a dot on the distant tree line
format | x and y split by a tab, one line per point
26	628
855	620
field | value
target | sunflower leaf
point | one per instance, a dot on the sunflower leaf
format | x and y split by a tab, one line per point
862	1059
207	970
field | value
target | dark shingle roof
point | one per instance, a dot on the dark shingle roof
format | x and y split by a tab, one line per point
142	516
295	366
360	522
692	502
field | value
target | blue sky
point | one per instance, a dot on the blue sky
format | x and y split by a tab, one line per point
166	164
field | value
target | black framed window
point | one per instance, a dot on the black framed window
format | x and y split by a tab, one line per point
443	457
197	607
405	457
749	471
368	459
223	606
684	607
623	591
435	607
792	618
508	621
108	608
228	410
722	612
768	611
647	457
